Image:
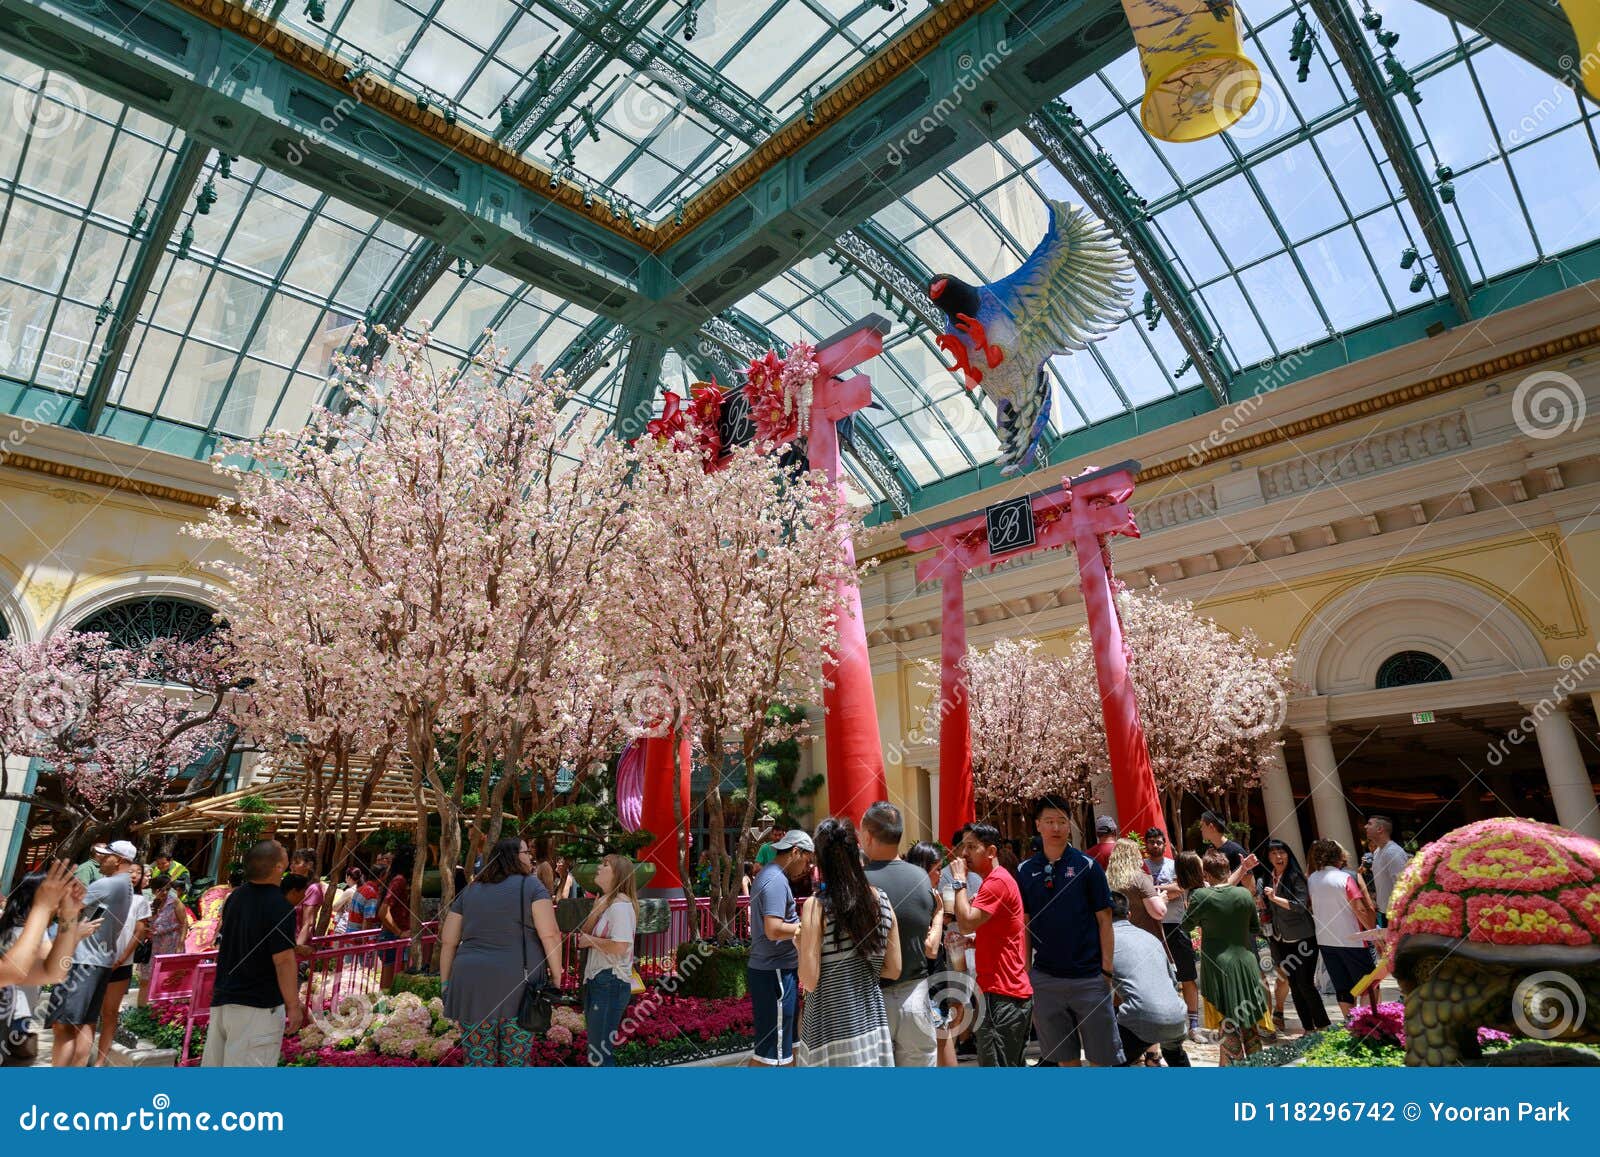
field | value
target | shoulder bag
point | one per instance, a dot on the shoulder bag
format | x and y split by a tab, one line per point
536	1005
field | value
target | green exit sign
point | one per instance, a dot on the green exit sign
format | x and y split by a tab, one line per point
1422	717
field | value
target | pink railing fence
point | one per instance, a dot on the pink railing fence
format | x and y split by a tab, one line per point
351	964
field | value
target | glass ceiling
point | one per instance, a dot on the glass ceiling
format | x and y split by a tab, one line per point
652	144
1286	233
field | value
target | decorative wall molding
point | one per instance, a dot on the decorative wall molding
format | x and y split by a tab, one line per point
1172	509
1402	446
109	481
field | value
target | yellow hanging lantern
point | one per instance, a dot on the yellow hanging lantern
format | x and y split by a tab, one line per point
1197	79
1585	17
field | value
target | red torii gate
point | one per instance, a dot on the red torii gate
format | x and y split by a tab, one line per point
850	730
1083	512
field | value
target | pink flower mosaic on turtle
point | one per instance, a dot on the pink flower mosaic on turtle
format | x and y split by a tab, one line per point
1497	923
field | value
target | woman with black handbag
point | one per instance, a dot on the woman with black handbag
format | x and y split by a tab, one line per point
499	949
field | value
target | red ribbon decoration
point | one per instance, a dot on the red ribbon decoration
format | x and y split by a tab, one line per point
706	401
670	426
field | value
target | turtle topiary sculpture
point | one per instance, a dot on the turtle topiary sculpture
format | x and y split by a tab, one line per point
1497	923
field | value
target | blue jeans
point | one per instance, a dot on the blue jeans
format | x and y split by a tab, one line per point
604	1004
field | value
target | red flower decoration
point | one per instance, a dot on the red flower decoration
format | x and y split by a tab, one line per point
670	425
1512	919
776	420
706	402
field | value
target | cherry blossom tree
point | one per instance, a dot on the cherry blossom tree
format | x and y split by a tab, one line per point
436	544
725	583
1211	704
124	732
1032	733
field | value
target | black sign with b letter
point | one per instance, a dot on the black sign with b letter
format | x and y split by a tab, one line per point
1010	525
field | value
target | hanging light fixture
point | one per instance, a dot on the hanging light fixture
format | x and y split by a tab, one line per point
104	312
1198	81
507	116
1409	257
225	165
1447	189
140	216
186	240
1418	280
316	10
206	198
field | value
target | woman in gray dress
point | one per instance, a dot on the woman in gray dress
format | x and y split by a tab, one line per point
501	918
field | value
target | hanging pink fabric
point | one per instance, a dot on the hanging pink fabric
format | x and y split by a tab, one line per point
630	787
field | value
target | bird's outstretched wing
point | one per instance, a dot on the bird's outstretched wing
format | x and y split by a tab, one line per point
1073	289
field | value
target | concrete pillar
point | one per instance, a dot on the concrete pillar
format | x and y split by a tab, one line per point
1327	792
1570	789
1278	799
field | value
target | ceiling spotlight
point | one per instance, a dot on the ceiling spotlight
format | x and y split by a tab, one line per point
1418	281
1409	257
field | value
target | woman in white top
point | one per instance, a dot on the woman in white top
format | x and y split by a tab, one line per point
608	972
1341	908
30	957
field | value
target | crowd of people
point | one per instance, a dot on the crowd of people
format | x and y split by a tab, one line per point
861	954
1091	953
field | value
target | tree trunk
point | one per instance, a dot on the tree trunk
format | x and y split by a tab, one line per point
681	825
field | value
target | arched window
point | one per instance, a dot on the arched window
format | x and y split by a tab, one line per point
138	622
5	628
1409	667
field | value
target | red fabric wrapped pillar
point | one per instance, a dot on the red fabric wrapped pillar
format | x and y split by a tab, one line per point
1099	509
855	751
957	806
656	816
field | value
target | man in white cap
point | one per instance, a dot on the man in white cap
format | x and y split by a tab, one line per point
74	1005
773	974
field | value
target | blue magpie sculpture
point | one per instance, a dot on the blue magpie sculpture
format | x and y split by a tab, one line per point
1074	288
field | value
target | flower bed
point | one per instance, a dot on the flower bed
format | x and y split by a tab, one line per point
406	1031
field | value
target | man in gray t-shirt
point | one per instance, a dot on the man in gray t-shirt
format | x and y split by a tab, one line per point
773	974
1149	1009
906	998
73	1007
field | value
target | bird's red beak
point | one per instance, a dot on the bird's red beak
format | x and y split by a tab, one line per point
937	288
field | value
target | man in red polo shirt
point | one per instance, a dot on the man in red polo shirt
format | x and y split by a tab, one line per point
995	916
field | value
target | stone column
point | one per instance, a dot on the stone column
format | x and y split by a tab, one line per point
1278	799
1327	792
1570	789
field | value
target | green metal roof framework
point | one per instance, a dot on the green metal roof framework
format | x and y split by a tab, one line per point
1275	249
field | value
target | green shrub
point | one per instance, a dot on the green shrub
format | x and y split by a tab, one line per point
425	985
711	970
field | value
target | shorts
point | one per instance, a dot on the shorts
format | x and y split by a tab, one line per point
1346	967
77	999
1075	1016
121	975
391	955
774	996
1181	949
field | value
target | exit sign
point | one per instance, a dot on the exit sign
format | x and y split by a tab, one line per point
1422	717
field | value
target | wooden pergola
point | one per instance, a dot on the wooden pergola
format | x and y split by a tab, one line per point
287	790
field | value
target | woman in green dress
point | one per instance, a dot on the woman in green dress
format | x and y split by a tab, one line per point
1230	972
